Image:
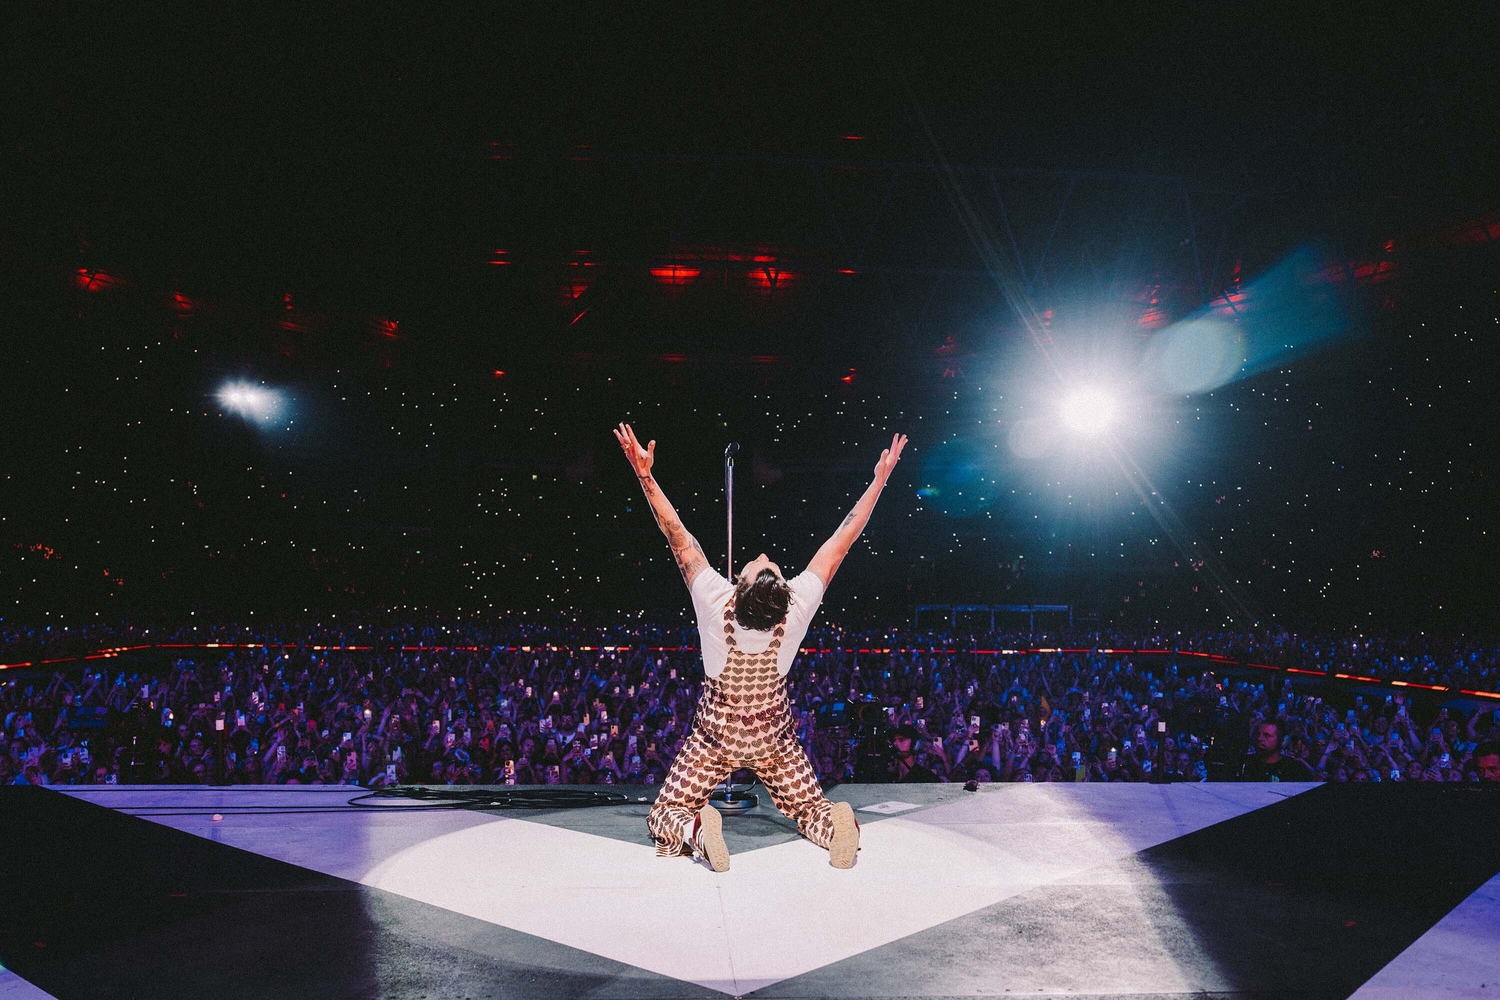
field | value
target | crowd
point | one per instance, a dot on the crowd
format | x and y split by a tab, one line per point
559	714
1457	663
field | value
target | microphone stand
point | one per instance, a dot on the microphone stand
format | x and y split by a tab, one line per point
729	452
725	798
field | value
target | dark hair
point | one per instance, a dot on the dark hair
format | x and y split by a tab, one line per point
762	605
1489	748
1275	724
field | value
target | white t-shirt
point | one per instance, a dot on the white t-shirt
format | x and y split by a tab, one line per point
711	592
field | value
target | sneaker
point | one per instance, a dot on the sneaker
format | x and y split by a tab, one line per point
709	838
845	842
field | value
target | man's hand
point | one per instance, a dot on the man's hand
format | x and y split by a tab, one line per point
641	459
888	458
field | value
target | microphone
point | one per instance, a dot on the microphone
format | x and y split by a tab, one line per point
730	451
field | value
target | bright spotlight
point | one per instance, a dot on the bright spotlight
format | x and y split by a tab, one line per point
1089	411
253	402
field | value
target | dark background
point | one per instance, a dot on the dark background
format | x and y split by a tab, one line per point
320	199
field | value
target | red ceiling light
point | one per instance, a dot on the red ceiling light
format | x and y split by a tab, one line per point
770	279
386	327
1228	303
1375	271
498	373
1364	272
849	379
675	274
579	278
501	258
1154	318
96	281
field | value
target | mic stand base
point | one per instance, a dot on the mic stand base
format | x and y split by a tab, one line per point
732	803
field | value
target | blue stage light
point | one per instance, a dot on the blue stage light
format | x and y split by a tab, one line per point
253	402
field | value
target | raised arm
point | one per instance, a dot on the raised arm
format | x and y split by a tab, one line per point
685	548
831	554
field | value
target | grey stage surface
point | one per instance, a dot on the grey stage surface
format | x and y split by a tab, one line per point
1089	890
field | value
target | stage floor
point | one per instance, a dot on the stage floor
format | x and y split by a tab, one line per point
1189	890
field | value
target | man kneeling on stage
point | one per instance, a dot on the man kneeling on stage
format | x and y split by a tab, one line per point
749	632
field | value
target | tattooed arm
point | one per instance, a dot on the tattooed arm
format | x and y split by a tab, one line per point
826	562
685	548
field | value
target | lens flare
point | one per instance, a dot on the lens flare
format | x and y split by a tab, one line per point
1197	355
1288	313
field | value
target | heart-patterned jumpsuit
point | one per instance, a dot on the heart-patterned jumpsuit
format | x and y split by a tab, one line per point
744	720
